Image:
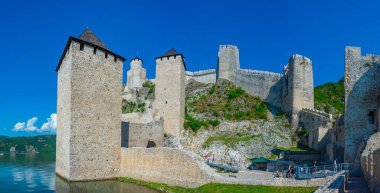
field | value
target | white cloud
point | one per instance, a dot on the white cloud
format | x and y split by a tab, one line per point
29	126
19	127
50	125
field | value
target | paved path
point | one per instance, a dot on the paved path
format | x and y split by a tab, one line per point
357	185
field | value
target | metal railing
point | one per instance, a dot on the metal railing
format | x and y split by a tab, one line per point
320	171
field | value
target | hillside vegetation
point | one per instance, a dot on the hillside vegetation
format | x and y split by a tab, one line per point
44	143
329	97
208	106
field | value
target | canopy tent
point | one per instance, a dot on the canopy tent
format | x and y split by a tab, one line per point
259	160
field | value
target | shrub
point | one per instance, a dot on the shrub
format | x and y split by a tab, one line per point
214	122
235	93
212	90
149	85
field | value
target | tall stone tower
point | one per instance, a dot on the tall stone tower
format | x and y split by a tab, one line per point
89	110
298	87
362	102
228	62
170	91
136	76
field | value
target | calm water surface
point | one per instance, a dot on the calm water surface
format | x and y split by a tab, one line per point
36	173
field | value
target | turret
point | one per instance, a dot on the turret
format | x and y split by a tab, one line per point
298	87
170	91
136	76
228	62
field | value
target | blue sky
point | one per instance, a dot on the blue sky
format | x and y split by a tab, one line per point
33	35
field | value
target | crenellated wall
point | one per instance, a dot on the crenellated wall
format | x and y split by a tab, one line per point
203	76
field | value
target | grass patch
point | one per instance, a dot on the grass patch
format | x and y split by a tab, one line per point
229	140
221	188
279	150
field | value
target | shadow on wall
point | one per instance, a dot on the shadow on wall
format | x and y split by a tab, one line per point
275	94
124	134
361	117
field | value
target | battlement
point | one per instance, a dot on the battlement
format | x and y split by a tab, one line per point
82	45
201	72
318	113
305	60
221	47
265	74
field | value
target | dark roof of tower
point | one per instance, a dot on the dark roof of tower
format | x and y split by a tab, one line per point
171	52
90	37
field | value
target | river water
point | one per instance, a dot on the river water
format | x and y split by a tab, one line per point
21	173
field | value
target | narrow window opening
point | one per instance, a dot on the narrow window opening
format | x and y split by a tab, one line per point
114	59
81	46
106	54
371	117
166	102
94	50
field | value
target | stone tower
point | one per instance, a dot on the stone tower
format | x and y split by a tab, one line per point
298	87
136	76
362	102
170	91
228	62
89	110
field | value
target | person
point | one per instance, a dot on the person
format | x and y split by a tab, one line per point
315	167
335	166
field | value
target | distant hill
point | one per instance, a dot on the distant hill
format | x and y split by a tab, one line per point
329	97
45	143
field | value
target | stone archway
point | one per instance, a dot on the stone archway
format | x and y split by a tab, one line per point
151	144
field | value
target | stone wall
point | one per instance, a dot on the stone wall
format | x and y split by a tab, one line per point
170	92
370	163
203	76
89	114
362	96
178	167
335	185
318	124
165	165
266	85
139	134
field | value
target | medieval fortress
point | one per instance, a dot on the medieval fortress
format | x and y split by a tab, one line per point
96	141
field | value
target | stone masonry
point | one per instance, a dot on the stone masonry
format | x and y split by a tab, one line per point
362	97
89	110
170	91
136	76
318	124
370	163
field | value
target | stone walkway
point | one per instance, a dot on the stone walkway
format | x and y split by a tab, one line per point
357	185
